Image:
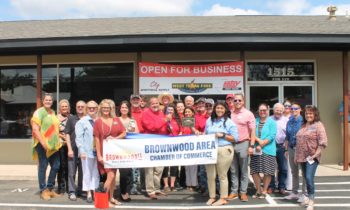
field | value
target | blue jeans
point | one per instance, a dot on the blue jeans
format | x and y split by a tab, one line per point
309	171
282	168
54	161
202	173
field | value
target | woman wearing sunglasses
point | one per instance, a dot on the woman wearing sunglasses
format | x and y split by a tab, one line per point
263	159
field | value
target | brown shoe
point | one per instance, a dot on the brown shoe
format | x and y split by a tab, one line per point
232	196
269	191
53	194
45	195
244	197
283	192
152	196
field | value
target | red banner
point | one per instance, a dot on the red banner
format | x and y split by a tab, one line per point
208	70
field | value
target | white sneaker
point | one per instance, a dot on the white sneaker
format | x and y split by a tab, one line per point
301	198
305	202
310	205
291	196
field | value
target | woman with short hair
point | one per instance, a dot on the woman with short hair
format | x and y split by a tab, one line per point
263	159
86	150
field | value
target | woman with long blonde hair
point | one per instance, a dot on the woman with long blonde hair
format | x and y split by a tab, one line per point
107	127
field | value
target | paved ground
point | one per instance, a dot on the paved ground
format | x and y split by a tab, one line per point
333	192
18	190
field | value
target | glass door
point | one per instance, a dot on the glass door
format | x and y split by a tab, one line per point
263	94
300	94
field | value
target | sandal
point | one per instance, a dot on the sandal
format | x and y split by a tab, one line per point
256	195
220	202
262	196
210	201
115	202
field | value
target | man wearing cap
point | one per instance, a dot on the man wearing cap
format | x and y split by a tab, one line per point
154	121
201	120
245	121
209	105
229	101
136	113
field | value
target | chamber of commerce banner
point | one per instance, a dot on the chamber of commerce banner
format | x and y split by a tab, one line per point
143	152
219	78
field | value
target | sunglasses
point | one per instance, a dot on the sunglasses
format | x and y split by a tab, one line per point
237	100
287	106
263	110
92	107
208	105
294	108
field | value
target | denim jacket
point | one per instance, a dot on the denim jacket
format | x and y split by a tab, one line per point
84	136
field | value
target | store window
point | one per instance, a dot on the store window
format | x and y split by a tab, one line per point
76	82
18	101
272	82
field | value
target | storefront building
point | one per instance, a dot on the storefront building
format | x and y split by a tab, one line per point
300	58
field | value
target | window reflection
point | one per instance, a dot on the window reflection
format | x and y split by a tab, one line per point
18	101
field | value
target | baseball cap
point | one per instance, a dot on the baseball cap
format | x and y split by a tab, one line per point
200	100
209	101
230	96
135	96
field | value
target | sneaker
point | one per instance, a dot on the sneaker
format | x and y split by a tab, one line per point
305	202
301	198
232	196
310	206
72	197
89	199
244	197
45	195
291	196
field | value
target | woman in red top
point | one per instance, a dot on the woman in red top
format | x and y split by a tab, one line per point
106	127
174	127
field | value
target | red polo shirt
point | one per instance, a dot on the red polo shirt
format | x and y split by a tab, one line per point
154	122
201	120
136	113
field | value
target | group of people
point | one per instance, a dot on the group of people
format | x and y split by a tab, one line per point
73	144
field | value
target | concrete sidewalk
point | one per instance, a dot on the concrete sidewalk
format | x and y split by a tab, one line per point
29	172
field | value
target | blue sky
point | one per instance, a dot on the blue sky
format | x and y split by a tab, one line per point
68	9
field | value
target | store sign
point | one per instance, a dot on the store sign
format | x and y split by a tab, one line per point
220	78
281	71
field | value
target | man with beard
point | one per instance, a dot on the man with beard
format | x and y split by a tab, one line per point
136	113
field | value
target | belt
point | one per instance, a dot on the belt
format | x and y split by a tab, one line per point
244	140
